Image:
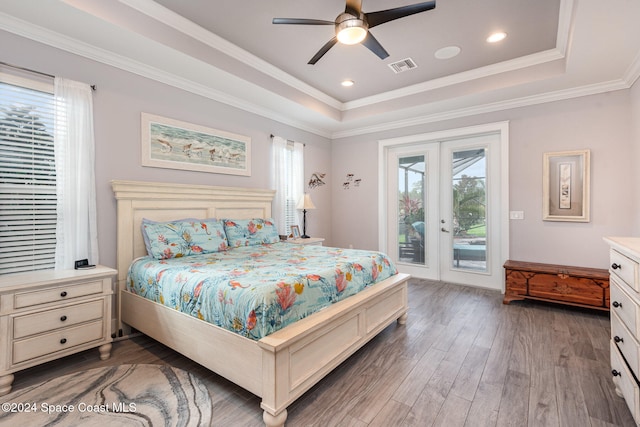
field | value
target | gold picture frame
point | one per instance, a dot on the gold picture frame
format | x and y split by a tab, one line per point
566	186
173	144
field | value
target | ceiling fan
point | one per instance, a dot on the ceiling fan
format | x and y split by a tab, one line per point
353	25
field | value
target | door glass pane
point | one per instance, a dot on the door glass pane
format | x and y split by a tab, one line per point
469	210
411	229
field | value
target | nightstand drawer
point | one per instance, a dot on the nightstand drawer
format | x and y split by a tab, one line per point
47	344
49	320
625	268
57	294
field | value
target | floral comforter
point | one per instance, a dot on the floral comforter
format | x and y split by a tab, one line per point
256	290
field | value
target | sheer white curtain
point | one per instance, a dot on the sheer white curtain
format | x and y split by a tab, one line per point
288	181
76	231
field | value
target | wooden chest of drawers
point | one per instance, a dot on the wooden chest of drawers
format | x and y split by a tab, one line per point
50	314
579	286
624	258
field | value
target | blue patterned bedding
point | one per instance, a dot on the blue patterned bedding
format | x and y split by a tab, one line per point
256	290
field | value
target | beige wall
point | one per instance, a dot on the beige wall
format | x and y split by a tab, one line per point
635	154
601	123
118	102
608	124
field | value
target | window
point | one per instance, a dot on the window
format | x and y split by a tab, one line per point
27	175
288	181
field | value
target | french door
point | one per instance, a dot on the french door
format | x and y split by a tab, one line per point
444	210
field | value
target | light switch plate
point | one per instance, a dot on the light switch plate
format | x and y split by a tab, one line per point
516	215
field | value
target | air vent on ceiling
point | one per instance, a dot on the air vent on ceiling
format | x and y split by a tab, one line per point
403	65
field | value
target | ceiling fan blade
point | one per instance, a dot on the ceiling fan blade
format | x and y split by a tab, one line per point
382	16
354	7
301	21
324	49
374	46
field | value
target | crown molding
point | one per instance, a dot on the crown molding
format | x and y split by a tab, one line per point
193	30
466	76
526	101
71	45
633	72
189	28
74	46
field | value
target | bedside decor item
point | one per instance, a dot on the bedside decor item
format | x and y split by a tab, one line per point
566	186
295	232
305	204
172	144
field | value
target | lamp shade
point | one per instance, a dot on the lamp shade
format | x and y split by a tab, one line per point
305	202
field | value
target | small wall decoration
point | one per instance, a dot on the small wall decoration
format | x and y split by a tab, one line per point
566	186
351	181
316	180
172	144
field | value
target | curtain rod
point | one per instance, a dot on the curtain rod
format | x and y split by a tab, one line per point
288	140
93	87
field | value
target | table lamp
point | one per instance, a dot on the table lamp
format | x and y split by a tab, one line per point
305	204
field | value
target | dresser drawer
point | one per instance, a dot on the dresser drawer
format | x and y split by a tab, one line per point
49	320
625	268
42	345
629	347
624	307
625	383
56	294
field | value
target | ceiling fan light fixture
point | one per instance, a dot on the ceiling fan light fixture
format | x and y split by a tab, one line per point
350	29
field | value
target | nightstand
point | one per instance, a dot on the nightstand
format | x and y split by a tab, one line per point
45	315
315	241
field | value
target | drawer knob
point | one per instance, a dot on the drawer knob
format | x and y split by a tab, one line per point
616	304
63	341
618	339
63	318
615	373
615	266
63	294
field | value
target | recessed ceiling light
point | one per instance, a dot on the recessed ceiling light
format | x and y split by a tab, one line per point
447	52
496	37
347	83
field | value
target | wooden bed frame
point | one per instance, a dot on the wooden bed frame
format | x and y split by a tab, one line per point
280	367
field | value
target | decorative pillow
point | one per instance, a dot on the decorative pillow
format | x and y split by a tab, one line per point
185	237
248	232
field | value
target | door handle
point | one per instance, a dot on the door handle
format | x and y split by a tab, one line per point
444	230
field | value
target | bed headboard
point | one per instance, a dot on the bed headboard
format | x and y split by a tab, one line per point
163	202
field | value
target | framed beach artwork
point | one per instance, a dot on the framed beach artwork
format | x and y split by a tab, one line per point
173	144
566	186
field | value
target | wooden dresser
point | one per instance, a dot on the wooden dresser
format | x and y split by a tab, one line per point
579	286
46	315
624	258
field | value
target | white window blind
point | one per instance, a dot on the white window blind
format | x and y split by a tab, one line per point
27	178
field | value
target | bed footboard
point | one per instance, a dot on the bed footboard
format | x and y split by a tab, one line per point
297	357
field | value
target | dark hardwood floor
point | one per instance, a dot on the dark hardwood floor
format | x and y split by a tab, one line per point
462	359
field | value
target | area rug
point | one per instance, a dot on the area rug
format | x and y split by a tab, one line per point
125	395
